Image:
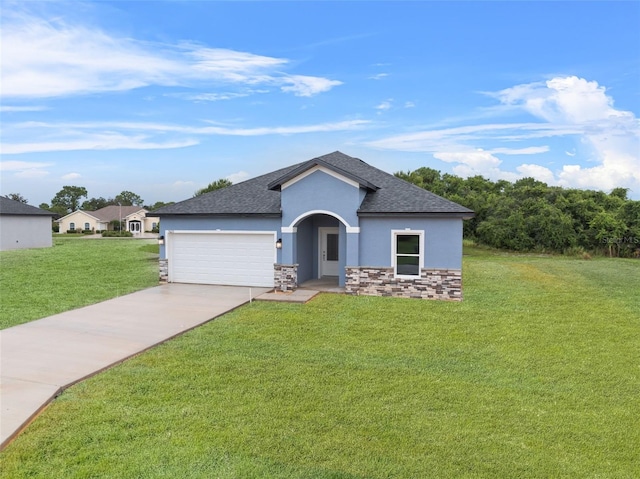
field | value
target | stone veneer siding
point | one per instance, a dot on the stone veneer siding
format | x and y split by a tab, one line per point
285	277
164	270
432	283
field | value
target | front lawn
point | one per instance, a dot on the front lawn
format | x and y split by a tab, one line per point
75	272
535	374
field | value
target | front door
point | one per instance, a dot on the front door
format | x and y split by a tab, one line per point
329	256
134	226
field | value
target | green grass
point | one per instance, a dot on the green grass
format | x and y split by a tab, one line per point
535	374
75	272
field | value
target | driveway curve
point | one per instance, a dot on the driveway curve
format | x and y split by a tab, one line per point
40	359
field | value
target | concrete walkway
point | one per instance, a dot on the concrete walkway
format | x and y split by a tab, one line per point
41	358
297	296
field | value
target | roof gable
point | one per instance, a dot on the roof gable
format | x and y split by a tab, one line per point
78	213
318	164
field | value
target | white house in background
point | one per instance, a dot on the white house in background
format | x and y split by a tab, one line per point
23	226
135	219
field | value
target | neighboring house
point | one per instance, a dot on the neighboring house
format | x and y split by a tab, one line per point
23	226
332	216
135	218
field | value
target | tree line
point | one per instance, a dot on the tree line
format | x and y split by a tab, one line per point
69	199
529	215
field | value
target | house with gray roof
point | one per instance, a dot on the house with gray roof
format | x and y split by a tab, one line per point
23	226
333	217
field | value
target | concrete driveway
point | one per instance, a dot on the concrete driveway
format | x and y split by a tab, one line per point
41	358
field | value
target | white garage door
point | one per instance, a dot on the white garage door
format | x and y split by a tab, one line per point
213	257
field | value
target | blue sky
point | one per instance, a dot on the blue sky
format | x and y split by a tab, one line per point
161	98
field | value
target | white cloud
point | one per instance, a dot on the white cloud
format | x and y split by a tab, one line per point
25	169
12	165
95	141
566	107
51	56
20	109
212	96
613	135
475	162
564	99
143	136
285	130
479	160
378	76
409	104
301	85
232	66
31	173
238	177
434	140
530	150
71	176
538	172
385	105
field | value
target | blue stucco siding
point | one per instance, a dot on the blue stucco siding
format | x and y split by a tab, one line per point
306	238
320	191
442	240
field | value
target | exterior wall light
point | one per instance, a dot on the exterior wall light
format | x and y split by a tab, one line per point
279	243
161	240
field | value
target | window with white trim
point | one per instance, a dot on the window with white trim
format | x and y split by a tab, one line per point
408	246
72	226
87	226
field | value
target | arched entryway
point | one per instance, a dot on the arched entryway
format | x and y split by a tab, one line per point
319	252
312	245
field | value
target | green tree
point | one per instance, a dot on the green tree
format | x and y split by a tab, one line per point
128	198
215	185
424	177
629	214
17	197
59	210
93	204
68	198
609	229
531	215
157	205
116	225
620	193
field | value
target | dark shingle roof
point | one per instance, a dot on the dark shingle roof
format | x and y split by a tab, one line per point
386	193
251	197
12	207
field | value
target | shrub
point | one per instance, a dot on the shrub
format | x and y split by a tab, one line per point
73	231
116	234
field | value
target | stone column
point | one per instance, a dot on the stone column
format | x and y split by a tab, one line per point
285	277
